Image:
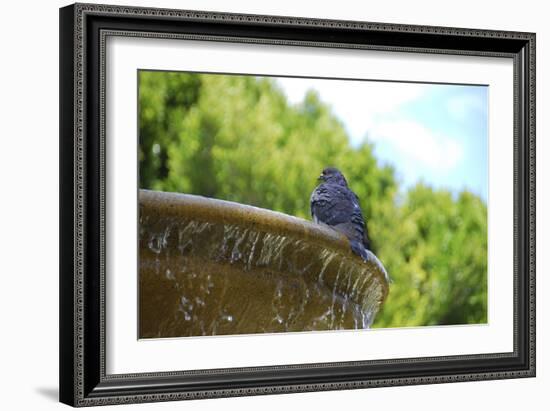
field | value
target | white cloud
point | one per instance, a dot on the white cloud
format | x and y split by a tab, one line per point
356	103
413	142
373	109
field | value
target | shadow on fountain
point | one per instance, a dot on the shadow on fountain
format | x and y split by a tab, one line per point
212	267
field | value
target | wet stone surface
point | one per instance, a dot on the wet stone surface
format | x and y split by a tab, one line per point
210	267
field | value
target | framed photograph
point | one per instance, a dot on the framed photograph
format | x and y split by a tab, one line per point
262	204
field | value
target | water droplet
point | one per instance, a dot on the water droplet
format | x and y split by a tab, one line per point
186	308
158	242
169	275
227	317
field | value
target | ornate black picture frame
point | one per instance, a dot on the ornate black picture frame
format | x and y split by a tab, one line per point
83	30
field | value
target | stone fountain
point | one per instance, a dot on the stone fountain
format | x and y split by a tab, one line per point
213	267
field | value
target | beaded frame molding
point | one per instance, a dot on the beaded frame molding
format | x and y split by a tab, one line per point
83	32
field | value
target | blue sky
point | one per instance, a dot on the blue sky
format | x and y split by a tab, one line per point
435	133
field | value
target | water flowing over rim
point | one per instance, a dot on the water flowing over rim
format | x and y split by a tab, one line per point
228	212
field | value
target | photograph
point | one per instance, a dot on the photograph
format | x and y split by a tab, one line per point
272	204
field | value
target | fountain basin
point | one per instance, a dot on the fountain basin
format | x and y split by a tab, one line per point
213	267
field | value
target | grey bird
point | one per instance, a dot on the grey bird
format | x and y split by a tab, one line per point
335	205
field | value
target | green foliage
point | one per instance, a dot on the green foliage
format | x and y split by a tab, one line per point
237	138
436	252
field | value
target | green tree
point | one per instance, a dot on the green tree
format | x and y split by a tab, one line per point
437	255
164	99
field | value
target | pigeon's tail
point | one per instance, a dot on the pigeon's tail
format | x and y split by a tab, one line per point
358	248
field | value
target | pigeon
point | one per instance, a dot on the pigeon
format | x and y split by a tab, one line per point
335	205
